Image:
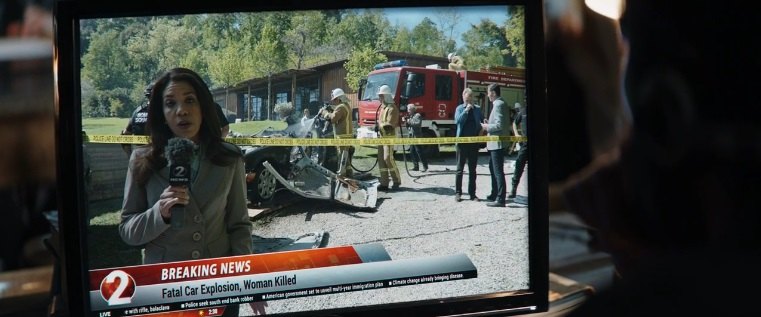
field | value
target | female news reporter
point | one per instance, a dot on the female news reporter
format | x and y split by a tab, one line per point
215	221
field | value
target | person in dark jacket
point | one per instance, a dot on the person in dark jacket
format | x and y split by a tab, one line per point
136	123
414	122
468	118
522	159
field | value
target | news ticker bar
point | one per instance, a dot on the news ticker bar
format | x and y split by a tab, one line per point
139	139
202	294
240	265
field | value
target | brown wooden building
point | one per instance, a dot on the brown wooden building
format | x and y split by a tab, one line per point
306	88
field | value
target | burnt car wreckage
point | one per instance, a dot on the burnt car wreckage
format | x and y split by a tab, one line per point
308	171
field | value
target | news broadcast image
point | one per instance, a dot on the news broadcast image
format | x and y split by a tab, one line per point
320	238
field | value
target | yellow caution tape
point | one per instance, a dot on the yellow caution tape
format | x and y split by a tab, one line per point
122	139
137	139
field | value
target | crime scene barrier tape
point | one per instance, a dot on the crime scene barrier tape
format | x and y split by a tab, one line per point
138	139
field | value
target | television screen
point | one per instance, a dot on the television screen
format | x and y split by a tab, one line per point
231	158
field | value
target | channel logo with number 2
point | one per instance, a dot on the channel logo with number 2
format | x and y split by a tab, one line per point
117	288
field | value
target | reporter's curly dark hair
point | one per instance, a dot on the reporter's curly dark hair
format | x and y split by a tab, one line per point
152	159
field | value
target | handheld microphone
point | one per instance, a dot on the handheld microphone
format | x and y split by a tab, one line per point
179	152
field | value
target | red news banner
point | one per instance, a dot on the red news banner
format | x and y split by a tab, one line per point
204	287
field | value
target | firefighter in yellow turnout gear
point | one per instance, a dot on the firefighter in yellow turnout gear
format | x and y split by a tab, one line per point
455	62
388	122
340	117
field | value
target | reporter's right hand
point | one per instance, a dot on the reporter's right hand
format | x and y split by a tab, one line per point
172	195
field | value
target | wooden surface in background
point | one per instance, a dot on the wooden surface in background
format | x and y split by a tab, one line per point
27	122
27	149
25	292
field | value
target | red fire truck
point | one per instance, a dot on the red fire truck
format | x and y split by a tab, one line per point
436	92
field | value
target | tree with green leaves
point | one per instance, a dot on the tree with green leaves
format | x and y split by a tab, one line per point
106	68
121	56
485	45
360	63
164	43
427	39
448	18
359	29
229	66
250	25
106	61
307	32
170	41
515	33
280	21
143	65
216	30
403	40
268	57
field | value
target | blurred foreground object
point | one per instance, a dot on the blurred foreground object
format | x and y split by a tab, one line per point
25	293
589	117
18	49
612	9
27	175
672	195
38	19
27	112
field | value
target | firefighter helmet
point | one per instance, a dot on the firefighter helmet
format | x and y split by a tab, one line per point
338	92
384	90
449	57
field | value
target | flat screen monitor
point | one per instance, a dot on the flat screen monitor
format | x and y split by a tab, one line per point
316	240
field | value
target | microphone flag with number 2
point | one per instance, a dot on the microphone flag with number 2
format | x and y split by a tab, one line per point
179	153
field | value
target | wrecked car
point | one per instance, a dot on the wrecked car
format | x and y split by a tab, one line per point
308	179
261	185
308	171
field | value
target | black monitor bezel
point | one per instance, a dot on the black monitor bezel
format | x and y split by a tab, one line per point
71	194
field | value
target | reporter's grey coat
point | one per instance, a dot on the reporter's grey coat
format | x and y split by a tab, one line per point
216	220
499	124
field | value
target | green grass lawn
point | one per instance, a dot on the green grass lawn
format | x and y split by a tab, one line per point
106	248
251	127
105	126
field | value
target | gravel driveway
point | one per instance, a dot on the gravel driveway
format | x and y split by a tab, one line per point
419	220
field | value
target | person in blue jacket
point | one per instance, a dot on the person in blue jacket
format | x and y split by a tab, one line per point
468	118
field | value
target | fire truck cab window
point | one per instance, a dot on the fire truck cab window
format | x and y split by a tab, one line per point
415	85
443	87
376	80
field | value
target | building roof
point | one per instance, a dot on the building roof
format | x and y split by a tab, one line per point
284	75
289	73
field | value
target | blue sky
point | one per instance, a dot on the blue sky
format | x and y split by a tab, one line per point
410	17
